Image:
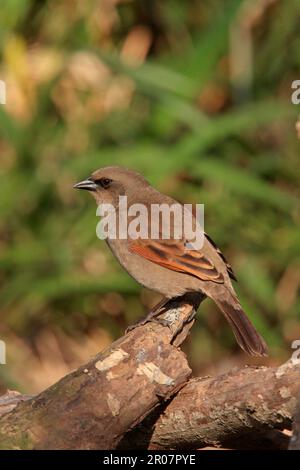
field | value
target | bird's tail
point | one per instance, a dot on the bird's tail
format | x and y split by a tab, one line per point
246	335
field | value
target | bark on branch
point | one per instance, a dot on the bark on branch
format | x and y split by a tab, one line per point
136	394
93	407
236	410
295	439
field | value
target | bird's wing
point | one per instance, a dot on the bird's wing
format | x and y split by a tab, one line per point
175	255
228	266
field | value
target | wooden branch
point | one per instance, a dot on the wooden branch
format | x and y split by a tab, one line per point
136	395
93	407
236	410
295	439
244	408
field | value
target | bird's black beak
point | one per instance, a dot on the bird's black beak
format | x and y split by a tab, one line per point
87	184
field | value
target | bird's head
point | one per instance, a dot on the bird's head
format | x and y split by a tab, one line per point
107	184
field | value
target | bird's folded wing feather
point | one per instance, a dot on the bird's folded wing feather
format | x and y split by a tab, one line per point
174	255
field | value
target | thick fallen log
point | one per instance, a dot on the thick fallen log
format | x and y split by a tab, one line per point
93	407
136	394
239	409
245	408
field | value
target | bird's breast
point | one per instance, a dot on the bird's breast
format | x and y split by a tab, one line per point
149	274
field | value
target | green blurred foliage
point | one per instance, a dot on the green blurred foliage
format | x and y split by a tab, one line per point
153	86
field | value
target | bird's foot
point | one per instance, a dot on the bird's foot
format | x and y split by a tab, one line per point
141	322
151	317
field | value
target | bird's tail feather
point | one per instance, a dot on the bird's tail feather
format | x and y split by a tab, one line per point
245	333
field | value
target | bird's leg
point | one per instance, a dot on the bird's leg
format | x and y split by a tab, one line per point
151	316
185	322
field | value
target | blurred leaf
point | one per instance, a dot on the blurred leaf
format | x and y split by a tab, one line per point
243	183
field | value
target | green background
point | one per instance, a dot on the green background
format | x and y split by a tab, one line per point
195	95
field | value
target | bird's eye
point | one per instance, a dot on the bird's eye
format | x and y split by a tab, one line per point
104	182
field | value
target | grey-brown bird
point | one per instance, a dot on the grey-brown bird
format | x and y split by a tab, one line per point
170	266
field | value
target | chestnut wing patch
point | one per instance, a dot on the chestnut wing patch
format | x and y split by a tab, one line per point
177	258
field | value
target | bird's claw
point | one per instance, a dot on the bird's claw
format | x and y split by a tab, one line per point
134	326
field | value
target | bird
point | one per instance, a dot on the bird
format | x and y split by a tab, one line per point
170	266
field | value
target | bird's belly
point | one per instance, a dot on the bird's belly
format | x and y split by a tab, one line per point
165	281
